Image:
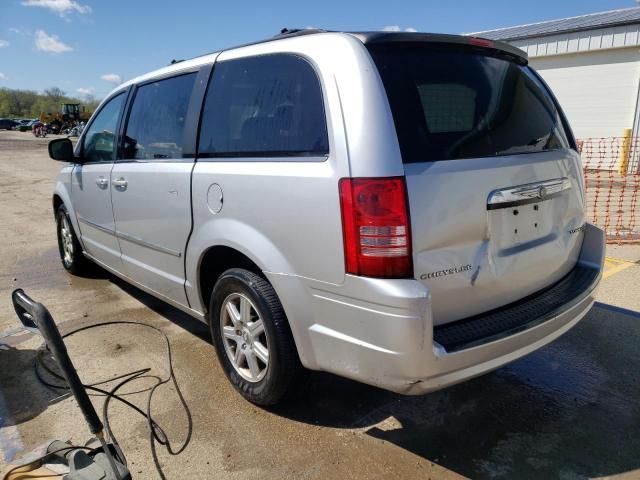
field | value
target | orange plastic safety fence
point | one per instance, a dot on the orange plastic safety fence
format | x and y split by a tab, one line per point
612	183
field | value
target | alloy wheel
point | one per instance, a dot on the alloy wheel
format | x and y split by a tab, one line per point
67	241
244	337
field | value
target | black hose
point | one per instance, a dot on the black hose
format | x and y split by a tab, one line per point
156	433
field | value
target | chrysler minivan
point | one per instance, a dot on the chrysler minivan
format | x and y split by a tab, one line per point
402	209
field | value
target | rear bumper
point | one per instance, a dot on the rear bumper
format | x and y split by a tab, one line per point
380	332
524	314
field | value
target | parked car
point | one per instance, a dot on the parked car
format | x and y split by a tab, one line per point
7	124
402	209
26	125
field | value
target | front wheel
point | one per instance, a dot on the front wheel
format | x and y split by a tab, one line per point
252	337
70	249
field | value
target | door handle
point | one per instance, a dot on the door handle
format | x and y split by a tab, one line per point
120	183
102	182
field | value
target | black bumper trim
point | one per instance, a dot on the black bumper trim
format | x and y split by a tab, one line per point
520	315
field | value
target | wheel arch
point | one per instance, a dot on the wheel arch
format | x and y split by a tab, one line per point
57	201
256	252
214	261
61	197
242	241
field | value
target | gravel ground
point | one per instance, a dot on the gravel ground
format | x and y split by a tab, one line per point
567	411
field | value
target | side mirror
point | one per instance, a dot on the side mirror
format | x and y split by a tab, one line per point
61	149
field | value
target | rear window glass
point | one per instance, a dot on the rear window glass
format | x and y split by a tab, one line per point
450	102
264	106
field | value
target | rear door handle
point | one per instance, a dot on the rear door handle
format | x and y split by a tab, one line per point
102	182
120	183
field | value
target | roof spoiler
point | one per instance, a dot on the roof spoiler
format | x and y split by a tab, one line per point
519	56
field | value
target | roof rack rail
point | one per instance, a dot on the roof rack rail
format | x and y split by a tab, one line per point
294	32
284	33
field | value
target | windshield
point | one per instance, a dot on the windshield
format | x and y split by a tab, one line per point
451	102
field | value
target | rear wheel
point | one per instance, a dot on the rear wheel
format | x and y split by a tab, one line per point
70	249
252	337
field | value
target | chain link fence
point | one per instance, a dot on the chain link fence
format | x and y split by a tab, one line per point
612	184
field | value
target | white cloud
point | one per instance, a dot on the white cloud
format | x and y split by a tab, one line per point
61	7
4	43
112	77
50	43
3	76
85	91
397	28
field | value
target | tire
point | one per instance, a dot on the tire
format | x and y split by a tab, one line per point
68	245
274	379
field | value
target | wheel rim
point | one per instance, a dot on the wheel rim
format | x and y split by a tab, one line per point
67	241
244	337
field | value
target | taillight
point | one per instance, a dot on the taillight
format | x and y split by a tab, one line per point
375	227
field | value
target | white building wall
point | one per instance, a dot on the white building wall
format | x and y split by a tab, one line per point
597	89
587	40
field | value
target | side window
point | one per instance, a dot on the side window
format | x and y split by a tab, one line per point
265	106
99	144
155	129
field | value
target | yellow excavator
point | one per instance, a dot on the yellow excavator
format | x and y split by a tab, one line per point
70	115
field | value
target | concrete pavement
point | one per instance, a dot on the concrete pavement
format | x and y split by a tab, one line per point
569	410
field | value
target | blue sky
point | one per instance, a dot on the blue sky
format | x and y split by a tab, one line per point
87	45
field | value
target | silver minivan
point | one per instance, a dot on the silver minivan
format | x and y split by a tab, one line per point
402	209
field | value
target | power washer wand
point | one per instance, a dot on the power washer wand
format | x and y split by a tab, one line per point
104	463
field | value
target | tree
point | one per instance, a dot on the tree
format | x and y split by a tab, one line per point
90	102
30	104
55	94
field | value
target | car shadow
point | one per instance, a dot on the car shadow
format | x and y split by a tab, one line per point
174	315
568	410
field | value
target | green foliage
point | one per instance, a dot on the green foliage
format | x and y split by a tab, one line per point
29	104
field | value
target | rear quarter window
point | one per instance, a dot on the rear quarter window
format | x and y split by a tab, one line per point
451	102
264	106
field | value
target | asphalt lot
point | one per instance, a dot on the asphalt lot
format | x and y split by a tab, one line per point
569	410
